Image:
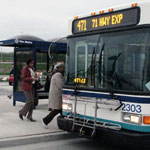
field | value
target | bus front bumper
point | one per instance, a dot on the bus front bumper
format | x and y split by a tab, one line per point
119	137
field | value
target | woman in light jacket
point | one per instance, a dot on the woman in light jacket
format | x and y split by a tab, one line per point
55	94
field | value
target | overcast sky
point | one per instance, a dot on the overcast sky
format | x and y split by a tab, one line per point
45	18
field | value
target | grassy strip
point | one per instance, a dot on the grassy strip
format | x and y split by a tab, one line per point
4	73
5	66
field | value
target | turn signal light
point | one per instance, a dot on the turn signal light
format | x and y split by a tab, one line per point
134	5
93	13
146	119
111	9
76	17
101	12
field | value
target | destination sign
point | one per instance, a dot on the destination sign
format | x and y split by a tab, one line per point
121	18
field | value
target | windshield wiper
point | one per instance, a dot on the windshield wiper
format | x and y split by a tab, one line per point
91	66
120	79
115	76
100	60
115	58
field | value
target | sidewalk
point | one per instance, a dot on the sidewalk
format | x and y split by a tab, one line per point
12	127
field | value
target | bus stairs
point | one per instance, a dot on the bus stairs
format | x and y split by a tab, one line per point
87	123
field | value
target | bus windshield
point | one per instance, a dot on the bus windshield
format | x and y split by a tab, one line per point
110	61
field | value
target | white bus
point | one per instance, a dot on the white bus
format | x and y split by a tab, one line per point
107	80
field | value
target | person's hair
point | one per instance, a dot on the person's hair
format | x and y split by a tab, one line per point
29	61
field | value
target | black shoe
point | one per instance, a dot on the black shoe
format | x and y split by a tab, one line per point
20	116
50	109
9	96
44	124
32	120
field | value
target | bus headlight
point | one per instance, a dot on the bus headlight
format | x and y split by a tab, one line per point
132	118
67	107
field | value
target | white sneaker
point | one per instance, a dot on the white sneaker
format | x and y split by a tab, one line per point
44	125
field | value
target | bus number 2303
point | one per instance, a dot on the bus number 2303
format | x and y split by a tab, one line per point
132	108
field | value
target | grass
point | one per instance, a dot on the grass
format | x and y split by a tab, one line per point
5	68
4	73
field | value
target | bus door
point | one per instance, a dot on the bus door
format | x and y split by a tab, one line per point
81	57
86	61
87	66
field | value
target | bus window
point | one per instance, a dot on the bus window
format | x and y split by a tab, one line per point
81	58
123	60
80	61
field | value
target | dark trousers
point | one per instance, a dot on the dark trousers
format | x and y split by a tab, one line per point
35	97
51	115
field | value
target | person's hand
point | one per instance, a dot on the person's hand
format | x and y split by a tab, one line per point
35	79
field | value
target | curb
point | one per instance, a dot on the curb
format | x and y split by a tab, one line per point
36	138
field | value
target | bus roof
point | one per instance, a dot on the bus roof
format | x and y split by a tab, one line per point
143	6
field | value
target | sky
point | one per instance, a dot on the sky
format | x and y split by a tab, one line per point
46	19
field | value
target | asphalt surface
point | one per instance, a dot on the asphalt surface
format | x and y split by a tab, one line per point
70	143
12	128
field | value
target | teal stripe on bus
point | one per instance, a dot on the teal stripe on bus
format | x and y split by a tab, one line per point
128	126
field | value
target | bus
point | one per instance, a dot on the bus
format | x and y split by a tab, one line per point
107	81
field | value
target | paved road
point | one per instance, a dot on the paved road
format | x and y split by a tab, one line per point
4	76
70	143
5	89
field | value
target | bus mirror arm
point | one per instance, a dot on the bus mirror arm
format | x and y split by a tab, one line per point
50	46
